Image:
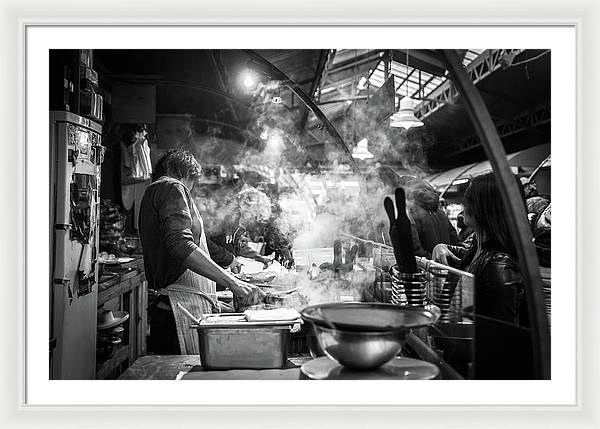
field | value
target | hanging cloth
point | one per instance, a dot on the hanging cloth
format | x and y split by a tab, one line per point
141	168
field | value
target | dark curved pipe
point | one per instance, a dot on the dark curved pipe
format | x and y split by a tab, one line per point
511	197
274	73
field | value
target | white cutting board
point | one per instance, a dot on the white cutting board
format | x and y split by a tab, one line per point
278	314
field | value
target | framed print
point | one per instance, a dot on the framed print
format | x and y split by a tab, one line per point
137	84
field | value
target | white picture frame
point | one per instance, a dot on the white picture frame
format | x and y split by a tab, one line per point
16	17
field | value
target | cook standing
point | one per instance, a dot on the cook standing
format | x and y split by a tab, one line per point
176	257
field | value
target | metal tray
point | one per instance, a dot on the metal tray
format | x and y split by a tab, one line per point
244	345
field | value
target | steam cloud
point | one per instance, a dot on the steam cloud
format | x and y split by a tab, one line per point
276	143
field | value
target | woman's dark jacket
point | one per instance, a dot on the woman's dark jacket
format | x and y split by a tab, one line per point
502	338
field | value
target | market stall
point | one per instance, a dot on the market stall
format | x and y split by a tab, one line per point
266	229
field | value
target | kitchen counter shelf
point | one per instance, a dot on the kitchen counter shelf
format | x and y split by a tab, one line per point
169	367
125	289
119	356
125	284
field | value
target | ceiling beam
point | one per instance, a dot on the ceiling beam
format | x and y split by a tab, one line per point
221	79
420	59
320	71
242	131
481	67
355	61
270	69
526	120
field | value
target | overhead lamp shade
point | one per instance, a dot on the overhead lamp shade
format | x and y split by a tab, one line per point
405	117
276	100
361	151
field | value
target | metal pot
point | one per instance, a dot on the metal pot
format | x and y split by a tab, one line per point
364	336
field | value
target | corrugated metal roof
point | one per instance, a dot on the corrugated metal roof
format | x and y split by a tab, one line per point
412	81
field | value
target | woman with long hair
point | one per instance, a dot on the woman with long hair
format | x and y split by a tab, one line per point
502	339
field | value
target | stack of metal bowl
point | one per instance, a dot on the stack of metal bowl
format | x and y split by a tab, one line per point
444	291
408	288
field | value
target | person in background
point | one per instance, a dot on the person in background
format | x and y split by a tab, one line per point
223	257
176	258
539	214
430	224
503	348
242	248
254	209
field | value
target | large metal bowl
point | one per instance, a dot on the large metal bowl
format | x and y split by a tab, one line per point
364	336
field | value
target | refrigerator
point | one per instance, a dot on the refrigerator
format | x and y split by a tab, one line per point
76	154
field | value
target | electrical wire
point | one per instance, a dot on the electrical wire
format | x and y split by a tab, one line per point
520	63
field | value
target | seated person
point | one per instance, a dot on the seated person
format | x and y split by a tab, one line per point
242	248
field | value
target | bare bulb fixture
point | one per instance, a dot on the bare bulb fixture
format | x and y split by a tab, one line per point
405	117
248	81
361	151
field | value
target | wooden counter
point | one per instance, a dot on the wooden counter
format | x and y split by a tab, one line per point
167	367
123	287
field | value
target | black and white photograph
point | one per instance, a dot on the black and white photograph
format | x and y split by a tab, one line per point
300	214
248	219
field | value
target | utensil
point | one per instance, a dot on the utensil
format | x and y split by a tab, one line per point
188	314
400	232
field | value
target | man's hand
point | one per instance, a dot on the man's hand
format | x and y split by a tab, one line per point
235	266
246	294
442	254
266	262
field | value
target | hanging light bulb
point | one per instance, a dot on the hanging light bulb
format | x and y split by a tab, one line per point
361	151
405	116
248	81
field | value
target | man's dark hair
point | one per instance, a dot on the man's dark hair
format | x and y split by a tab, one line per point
177	163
